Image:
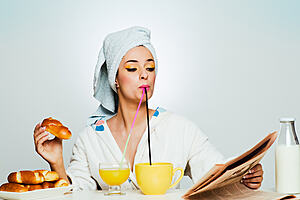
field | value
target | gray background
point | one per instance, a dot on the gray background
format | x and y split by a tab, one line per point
232	67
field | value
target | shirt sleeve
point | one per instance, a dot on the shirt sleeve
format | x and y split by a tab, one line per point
202	155
78	170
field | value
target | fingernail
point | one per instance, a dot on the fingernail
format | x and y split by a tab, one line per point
241	181
244	177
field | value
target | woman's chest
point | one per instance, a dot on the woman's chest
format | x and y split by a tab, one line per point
164	147
128	144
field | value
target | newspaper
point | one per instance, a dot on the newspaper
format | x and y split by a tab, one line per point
223	180
237	191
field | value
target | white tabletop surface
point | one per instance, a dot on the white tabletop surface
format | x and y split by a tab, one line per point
170	195
173	194
132	195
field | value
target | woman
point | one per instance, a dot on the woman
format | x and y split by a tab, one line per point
126	62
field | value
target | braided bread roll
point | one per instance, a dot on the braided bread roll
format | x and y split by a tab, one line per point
13	187
47	185
56	128
49	175
34	187
61	183
26	177
24	181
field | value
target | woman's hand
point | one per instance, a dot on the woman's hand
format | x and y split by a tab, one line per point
254	178
50	150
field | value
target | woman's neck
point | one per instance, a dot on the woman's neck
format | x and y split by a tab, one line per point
126	113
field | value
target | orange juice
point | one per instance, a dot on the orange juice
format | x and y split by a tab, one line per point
114	176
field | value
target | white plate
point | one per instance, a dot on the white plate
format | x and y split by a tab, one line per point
36	194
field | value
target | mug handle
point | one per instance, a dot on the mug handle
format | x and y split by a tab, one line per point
179	179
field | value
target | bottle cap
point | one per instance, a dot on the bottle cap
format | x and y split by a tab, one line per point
287	119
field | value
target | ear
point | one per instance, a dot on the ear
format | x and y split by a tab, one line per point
116	83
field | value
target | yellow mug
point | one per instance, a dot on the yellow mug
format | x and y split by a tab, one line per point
156	179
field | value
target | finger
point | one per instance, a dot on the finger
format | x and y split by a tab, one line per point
37	138
37	126
257	179
39	143
250	175
37	135
257	167
39	131
253	185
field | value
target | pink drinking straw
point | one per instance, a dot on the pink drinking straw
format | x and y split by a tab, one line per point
132	128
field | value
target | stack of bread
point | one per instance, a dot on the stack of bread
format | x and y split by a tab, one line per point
24	181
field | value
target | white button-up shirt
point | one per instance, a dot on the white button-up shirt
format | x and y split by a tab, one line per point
174	139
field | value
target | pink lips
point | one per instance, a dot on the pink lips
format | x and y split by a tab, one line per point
145	86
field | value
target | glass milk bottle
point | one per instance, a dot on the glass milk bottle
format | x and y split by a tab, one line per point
287	158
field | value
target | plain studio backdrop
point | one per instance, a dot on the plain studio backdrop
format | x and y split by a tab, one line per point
232	67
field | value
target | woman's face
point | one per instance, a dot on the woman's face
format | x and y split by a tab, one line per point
137	68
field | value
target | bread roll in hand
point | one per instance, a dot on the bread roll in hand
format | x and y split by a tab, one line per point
56	128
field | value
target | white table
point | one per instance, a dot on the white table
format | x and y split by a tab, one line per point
132	195
98	195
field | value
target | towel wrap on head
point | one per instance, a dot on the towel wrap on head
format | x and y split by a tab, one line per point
115	46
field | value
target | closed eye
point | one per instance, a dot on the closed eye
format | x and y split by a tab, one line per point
150	69
131	69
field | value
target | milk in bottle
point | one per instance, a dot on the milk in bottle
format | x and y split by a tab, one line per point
287	158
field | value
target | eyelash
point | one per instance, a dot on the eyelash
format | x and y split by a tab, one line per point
150	69
131	69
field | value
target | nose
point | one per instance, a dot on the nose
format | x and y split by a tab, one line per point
144	74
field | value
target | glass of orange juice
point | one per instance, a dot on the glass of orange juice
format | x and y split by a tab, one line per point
114	174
